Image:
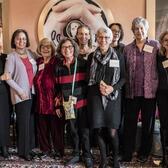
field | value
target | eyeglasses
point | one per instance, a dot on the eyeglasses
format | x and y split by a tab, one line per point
103	37
70	47
45	47
116	31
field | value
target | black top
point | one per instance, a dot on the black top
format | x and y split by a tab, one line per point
2	66
119	49
162	72
97	115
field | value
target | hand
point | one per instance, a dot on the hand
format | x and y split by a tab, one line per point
77	9
105	89
58	112
63	12
5	76
24	96
57	102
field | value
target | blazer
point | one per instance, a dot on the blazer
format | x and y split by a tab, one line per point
150	69
19	82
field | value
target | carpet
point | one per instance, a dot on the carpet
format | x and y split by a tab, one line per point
48	162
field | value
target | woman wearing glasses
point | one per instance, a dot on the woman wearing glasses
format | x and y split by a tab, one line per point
106	78
71	85
50	128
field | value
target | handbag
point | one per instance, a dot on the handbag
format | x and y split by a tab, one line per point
69	105
69	109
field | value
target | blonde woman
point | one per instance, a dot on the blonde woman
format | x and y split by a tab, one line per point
48	123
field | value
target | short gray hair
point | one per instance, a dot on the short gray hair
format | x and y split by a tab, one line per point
139	21
105	30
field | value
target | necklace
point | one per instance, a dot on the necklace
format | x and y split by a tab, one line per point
21	52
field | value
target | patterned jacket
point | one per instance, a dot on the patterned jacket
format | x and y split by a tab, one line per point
150	69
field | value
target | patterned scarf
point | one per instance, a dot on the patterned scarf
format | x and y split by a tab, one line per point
97	57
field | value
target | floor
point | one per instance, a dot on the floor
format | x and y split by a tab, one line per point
48	162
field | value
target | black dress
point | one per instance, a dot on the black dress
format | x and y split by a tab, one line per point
110	117
4	107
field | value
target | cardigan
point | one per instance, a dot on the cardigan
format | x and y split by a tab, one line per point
19	82
150	69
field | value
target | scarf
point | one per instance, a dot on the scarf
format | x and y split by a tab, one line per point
97	58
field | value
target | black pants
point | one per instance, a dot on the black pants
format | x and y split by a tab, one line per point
133	107
79	136
24	123
162	102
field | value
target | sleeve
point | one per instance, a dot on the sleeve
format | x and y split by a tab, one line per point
58	93
10	68
89	60
121	82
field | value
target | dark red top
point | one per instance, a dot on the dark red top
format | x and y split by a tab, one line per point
29	70
44	82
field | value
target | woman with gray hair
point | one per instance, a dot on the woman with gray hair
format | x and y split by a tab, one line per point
106	78
141	86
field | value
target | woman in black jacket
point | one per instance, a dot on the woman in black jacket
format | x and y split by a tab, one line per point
4	110
162	93
106	78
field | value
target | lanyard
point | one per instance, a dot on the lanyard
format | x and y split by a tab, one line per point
74	76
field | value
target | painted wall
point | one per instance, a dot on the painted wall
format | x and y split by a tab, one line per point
25	14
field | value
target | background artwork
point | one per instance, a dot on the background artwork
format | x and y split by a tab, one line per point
62	18
161	17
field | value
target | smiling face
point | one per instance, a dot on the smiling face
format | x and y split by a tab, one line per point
67	50
140	32
104	41
116	32
83	36
164	42
46	49
20	41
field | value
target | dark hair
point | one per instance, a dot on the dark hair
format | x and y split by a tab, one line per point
16	32
90	33
121	30
74	44
162	35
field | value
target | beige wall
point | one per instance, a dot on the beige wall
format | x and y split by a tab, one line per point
25	14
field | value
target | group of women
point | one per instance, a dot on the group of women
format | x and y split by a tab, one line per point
92	90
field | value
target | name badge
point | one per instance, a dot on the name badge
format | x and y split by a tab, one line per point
114	63
148	48
165	64
73	99
41	67
32	61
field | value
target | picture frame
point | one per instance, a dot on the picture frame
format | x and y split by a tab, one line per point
156	14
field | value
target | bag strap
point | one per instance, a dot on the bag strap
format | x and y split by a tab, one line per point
74	76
